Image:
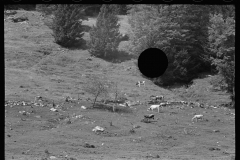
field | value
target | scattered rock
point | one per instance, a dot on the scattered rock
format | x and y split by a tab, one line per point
19	19
214	149
53	157
153	156
136	126
83	107
24	112
70	158
86	145
9	12
54	110
98	128
226	153
46	151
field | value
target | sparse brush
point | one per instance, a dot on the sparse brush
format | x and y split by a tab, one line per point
97	86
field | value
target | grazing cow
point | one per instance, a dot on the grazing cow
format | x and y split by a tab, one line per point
139	83
159	97
152	107
197	117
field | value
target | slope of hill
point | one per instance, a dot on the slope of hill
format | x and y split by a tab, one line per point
36	66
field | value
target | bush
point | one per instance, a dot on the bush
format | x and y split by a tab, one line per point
105	36
67	25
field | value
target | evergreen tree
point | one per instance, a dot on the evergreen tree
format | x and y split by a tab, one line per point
67	25
194	22
105	36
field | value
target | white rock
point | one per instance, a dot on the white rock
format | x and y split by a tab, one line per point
53	109
53	157
83	107
98	128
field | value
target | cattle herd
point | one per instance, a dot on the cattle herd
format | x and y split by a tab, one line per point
156	102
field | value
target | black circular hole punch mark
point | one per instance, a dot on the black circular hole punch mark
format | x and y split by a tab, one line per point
152	62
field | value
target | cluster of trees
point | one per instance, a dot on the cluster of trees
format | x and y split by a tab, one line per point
196	38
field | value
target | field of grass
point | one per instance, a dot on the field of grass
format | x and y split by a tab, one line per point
36	66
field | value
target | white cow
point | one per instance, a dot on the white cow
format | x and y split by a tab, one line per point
197	117
152	107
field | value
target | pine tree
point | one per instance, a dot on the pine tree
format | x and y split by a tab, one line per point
193	23
67	25
105	36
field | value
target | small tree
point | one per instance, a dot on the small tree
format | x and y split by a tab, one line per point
98	87
105	36
67	24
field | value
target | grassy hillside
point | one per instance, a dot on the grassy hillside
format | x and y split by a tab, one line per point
35	65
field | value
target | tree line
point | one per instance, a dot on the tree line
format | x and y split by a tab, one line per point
196	38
